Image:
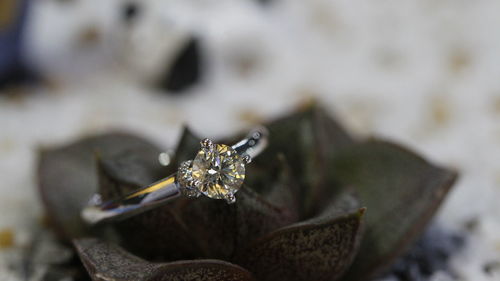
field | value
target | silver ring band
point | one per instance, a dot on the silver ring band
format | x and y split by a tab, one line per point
217	171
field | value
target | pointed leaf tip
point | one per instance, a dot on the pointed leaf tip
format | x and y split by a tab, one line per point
402	191
67	175
106	261
312	250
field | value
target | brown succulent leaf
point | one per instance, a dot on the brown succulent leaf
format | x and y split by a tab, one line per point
67	175
125	171
106	261
307	138
167	236
221	229
343	203
188	146
202	270
401	191
318	249
262	179
284	190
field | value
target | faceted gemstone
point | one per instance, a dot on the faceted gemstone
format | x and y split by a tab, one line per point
218	172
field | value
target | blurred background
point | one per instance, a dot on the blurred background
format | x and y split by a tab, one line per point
423	73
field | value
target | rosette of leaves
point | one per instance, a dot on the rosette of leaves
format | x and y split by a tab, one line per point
317	204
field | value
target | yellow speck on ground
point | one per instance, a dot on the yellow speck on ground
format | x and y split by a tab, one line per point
440	110
6	238
89	35
6	145
459	60
496	105
250	116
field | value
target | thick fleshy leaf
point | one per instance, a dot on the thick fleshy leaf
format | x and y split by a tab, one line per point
401	191
105	261
68	175
284	190
188	146
320	248
167	237
222	229
125	171
307	138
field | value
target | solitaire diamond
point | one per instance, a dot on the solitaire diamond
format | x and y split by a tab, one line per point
218	171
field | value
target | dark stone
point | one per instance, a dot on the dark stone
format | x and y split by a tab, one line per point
14	69
186	69
428	255
130	12
491	267
18	74
264	2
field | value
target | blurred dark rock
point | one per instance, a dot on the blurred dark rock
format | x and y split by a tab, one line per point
130	12
491	267
430	254
265	2
186	69
13	67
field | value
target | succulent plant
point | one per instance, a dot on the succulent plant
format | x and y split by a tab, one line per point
318	204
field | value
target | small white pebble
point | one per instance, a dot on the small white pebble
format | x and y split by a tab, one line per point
164	158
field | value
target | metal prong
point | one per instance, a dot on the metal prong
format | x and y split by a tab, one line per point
207	144
247	159
230	198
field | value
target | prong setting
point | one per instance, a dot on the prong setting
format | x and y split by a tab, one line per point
218	170
207	144
247	159
230	198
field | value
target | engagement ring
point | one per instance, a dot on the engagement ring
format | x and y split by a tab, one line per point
217	171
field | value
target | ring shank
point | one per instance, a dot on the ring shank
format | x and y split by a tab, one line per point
254	143
139	201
